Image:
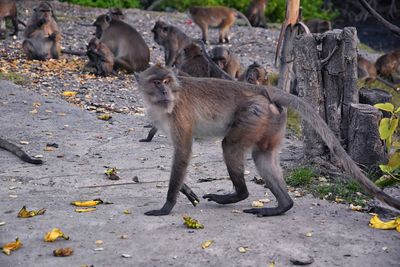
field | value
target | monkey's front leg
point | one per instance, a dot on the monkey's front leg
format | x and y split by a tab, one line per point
179	167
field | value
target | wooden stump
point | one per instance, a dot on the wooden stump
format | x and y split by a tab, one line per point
364	145
374	96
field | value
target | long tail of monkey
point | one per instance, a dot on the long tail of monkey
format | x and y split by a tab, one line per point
18	152
243	17
287	100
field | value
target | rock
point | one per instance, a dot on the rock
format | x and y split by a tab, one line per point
301	259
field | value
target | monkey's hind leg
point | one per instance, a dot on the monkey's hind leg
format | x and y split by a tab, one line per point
268	166
150	135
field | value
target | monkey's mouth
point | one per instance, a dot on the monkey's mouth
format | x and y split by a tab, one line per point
164	102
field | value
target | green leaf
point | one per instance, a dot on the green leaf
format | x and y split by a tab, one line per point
386	180
393	125
397	110
385	168
394	161
385	106
384	127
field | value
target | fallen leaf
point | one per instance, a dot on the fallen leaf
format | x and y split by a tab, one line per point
308	234
87	203
104	117
63	252
192	223
24	213
264	200
85	209
207	244
69	93
98	249
257	204
124	236
377	223
54	234
24	142
126	256
7	248
356	207
99	242
112	173
49	149
127	212
242	249
271	264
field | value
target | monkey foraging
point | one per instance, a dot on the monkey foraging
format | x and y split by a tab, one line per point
248	117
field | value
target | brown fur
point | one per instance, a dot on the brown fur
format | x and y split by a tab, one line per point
226	61
43	38
172	39
318	25
388	64
130	50
8	9
255	13
366	70
217	16
255	74
247	117
101	59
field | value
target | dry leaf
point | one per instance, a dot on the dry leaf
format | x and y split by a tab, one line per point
127	212
99	242
104	117
49	149
257	204
308	234
54	234
87	203
377	223
85	210
192	223
63	252
242	249
112	173
24	213
7	248
24	142
69	93
207	244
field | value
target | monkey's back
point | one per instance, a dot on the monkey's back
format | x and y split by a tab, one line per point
213	15
388	63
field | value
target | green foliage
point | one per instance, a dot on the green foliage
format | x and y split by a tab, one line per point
344	191
300	177
106	3
387	129
15	78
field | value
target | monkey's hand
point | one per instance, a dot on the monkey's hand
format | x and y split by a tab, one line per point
165	210
193	198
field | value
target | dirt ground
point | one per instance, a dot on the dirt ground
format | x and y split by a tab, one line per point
314	230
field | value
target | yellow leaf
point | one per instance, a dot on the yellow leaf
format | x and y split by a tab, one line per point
88	203
271	264
85	210
385	106
24	213
257	204
192	223
384	126
207	244
127	212
104	117
7	248
63	252
69	93
54	234
242	249
377	223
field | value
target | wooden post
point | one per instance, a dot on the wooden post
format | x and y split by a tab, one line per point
309	86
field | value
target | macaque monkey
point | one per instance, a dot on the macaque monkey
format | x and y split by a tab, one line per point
388	64
247	117
255	13
8	9
42	36
116	13
43	48
4	144
226	60
220	17
130	50
366	70
101	59
255	74
318	25
172	39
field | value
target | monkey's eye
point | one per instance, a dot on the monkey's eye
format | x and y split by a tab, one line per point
166	81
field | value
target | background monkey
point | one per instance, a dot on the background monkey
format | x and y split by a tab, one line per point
255	74
318	25
4	144
8	9
226	61
116	13
255	13
42	34
101	59
43	48
388	64
248	117
172	39
220	17
366	70
130	50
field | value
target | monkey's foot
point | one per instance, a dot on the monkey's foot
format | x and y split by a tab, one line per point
145	140
263	212
226	199
160	212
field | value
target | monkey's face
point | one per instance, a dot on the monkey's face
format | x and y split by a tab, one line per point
102	23
159	87
160	31
192	50
43	12
256	76
220	56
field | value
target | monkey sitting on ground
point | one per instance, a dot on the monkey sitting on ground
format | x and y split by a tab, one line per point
255	74
247	117
216	16
42	35
8	9
101	59
388	64
318	25
226	61
255	13
43	48
4	144
130	50
172	39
